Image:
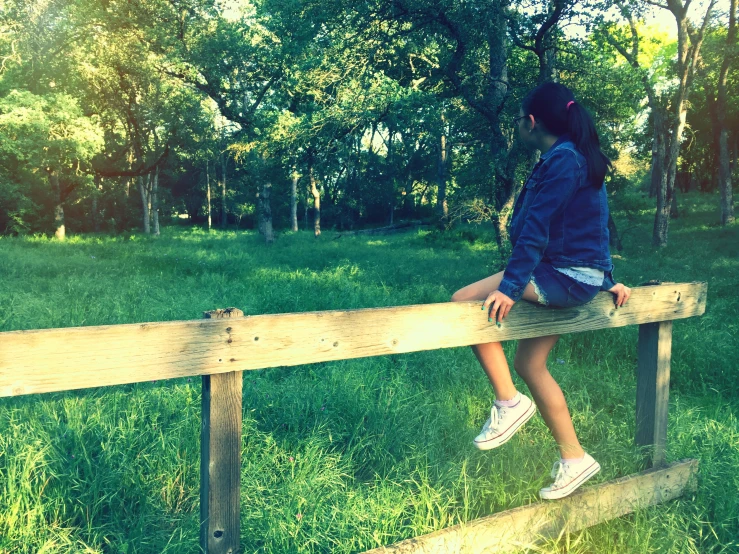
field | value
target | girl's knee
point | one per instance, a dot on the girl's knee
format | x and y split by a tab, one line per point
526	369
460	296
521	367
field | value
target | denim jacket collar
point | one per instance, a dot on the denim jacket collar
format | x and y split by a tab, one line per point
560	140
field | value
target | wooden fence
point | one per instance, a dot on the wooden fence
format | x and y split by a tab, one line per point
223	345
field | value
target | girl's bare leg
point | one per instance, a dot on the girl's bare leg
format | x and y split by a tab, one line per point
490	355
531	365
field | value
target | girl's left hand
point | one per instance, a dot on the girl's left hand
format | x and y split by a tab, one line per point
498	305
621	292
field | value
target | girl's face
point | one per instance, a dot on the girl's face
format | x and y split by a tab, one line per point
526	125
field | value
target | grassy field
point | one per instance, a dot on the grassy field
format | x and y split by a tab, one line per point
346	456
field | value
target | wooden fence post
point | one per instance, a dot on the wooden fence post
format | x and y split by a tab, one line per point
653	388
220	457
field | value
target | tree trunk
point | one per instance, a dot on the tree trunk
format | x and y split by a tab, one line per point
155	202
269	236
145	204
505	158
500	219
260	213
390	167
207	193
659	153
724	179
662	214
95	207
548	70
408	202
148	185
667	185
123	222
727	200
442	207
60	229
613	239
674	213
294	201
224	215
688	50
316	203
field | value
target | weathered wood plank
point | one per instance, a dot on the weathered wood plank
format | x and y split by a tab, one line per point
653	388
220	457
220	463
523	527
64	359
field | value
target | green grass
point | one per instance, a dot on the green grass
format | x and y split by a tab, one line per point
345	456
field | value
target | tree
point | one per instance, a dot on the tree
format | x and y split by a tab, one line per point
49	135
669	111
730	54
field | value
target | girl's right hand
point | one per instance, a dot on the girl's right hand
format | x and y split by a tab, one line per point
622	293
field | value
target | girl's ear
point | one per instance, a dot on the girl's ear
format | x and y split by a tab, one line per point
532	120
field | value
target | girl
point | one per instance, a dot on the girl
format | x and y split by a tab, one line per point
559	232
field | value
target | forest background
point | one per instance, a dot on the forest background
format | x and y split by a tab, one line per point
120	116
150	149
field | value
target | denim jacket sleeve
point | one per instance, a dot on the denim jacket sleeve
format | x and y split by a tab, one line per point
556	183
608	281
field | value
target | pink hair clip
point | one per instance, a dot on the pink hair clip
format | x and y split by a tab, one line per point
569	104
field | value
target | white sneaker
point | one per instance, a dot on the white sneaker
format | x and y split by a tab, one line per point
504	422
568	477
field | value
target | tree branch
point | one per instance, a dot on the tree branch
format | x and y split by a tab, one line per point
658	4
548	24
517	41
451	71
142	169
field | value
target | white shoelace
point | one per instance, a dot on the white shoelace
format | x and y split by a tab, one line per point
560	471
494	420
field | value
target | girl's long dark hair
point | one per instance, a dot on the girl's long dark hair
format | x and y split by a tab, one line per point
548	103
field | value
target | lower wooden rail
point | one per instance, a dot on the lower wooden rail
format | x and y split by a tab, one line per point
523	527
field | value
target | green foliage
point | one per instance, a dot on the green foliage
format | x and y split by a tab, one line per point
356	96
46	132
41	134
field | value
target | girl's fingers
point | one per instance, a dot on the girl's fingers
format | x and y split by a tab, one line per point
507	310
489	304
627	293
494	311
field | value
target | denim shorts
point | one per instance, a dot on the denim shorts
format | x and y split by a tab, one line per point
557	289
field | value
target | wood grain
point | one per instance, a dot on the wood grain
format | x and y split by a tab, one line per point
63	359
220	457
525	526
220	463
653	388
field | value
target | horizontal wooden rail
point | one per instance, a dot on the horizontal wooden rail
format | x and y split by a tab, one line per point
73	358
521	528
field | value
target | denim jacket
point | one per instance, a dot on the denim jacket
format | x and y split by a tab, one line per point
558	218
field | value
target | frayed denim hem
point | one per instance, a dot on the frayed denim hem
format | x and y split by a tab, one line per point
539	292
